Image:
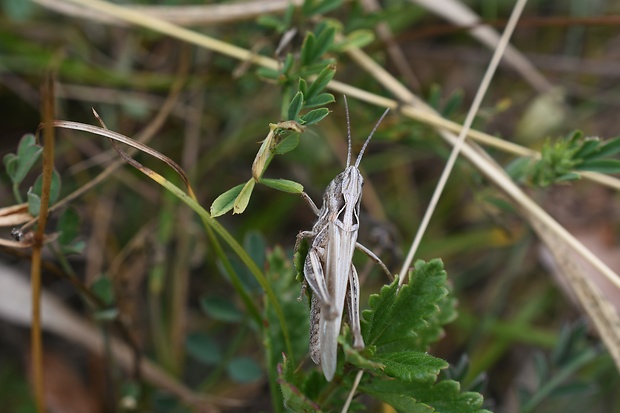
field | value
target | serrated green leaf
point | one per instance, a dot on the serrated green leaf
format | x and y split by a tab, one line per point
320	100
69	226
287	144
411	366
444	397
244	370
203	348
241	203
604	166
283	185
295	106
294	398
314	116
225	202
394	315
324	77
221	309
567	177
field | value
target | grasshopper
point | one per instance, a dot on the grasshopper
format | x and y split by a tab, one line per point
328	267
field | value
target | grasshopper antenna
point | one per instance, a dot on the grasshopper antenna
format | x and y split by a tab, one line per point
359	157
346	109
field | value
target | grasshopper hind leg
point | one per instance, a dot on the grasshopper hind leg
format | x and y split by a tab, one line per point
315	322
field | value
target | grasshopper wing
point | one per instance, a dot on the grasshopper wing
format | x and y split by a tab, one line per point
340	246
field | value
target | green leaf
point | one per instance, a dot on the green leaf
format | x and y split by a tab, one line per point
267	73
325	38
28	152
294	399
54	187
307	49
225	202
11	164
605	166
241	203
295	106
69	226
221	309
358	38
287	144
34	203
203	348
609	147
244	370
395	316
588	147
444	397
324	77
302	86
283	185
411	366
320	100
102	287
288	64
270	21
314	116
313	7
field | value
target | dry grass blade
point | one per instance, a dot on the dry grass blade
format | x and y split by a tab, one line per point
117	137
182	15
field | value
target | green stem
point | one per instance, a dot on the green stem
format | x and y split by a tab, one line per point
211	223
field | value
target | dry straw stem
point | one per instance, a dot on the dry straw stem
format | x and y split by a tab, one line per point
208	14
473	153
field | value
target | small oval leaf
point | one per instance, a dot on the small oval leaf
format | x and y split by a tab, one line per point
241	203
295	106
288	144
225	202
315	116
203	348
283	185
244	370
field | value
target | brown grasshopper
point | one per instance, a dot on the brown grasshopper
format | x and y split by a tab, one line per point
328	267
